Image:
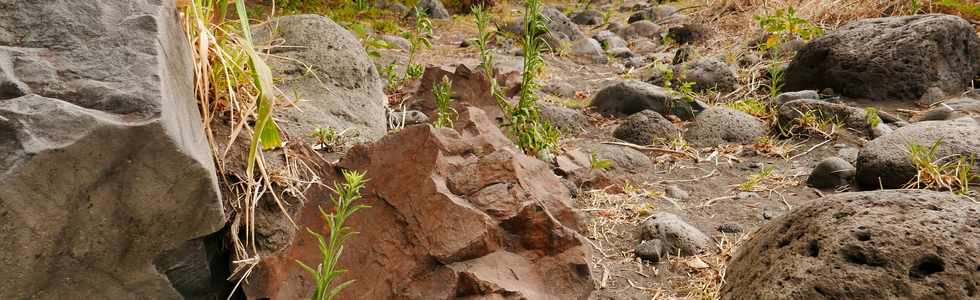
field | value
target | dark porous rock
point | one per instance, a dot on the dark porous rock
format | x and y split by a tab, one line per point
620	52
729	228
707	74
681	55
890	59
633	96
748	59
832	172
884	161
641	29
650	250
677	236
688	33
645	127
566	119
622	158
907	244
587	17
105	169
719	125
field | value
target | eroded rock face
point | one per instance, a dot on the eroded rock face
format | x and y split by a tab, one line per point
895	58
453	214
103	160
898	244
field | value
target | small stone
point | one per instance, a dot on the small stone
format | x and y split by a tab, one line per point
932	96
650	250
433	8
748	59
589	49
621	52
746	195
587	17
561	89
790	96
729	228
831	172
677	236
676	192
849	154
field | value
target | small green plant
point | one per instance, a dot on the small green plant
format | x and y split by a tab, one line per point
332	245
753	106
775	78
784	25
951	173
597	163
757	178
533	134
326	137
392	81
871	116
420	38
445	113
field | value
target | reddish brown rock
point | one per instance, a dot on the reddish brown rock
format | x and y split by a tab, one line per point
453	214
470	88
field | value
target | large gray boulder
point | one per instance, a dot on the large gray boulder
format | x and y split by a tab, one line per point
103	160
331	80
896	244
706	74
885	161
895	58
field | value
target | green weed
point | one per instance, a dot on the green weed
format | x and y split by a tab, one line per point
445	113
597	163
784	25
755	107
812	121
419	38
533	134
332	245
951	173
871	116
755	179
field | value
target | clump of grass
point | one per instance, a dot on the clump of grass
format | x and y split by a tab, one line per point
328	139
417	39
232	80
951	173
597	163
755	107
755	179
445	113
332	245
533	134
812	121
871	116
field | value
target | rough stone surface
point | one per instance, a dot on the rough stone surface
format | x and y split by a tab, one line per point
103	159
790	96
345	91
641	29
560	89
645	127
719	125
454	214
890	59
707	74
622	158
831	172
566	119
951	109
588	50
884	162
395	41
689	33
659	13
633	96
587	17
677	236
908	244
470	88
851	117
433	8
651	250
